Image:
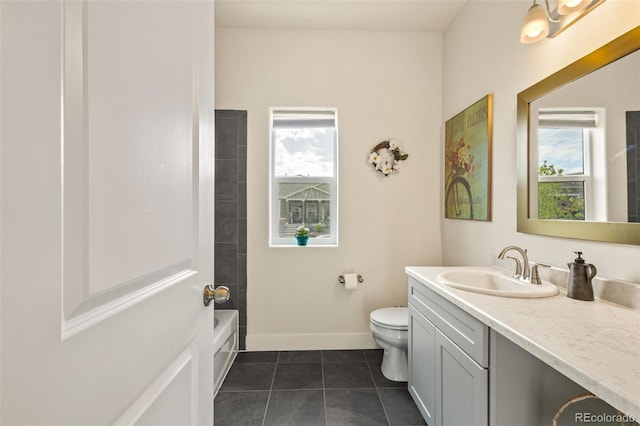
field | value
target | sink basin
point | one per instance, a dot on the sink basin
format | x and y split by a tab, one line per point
495	283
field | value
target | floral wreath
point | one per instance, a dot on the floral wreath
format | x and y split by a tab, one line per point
386	157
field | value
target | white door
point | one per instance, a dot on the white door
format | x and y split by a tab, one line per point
106	178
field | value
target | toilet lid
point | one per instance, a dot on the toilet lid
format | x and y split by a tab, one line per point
397	318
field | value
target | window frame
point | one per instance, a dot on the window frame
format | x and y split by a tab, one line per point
584	177
274	182
591	122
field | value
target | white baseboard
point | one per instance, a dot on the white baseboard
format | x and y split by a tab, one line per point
301	342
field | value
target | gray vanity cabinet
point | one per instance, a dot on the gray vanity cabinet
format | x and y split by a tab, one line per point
462	386
422	364
448	360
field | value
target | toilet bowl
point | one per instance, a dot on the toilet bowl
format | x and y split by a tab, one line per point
389	327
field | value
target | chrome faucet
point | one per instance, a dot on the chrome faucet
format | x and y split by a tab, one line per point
518	271
526	274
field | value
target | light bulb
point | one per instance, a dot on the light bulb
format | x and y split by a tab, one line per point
567	7
535	25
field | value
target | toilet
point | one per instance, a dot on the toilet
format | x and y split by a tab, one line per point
389	327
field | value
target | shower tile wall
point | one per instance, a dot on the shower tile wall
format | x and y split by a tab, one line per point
230	259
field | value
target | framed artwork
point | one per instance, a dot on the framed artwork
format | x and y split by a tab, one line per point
467	162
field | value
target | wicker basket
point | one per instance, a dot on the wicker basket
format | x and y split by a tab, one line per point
575	399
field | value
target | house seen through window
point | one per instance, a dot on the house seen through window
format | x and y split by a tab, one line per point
304	175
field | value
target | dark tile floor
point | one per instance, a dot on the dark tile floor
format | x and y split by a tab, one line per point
308	388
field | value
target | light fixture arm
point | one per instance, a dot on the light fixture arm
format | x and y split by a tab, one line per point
551	18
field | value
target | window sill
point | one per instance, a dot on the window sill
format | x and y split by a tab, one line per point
307	246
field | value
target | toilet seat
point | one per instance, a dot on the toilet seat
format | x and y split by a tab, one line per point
391	318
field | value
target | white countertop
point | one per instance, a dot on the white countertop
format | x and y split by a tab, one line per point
595	344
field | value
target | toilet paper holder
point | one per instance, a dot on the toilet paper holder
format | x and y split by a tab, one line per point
341	279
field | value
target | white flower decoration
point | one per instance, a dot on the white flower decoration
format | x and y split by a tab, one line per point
374	158
386	157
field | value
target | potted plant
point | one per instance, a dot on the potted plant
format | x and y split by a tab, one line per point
302	235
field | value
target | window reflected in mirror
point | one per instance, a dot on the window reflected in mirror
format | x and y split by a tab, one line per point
579	152
579	147
568	166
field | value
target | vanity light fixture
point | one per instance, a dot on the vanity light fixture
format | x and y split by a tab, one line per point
540	23
567	7
535	25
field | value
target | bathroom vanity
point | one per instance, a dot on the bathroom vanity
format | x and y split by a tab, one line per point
479	359
448	359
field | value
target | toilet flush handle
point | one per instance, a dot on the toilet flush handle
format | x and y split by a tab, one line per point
220	294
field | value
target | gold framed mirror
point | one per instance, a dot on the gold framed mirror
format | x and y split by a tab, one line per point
567	217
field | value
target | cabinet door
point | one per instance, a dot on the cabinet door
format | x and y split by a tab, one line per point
422	367
461	386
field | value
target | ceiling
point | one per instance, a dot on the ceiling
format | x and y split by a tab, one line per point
365	15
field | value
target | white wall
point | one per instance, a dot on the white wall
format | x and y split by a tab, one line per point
384	84
482	54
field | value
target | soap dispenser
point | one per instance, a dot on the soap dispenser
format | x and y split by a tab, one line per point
580	275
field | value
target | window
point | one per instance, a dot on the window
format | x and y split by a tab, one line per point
304	175
566	139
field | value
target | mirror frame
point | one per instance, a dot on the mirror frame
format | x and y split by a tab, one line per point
615	232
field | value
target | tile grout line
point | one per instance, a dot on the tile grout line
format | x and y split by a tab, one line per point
324	390
384	409
273	379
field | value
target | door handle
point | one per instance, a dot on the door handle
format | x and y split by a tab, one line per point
220	294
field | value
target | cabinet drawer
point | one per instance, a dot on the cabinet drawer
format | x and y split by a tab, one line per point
471	335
